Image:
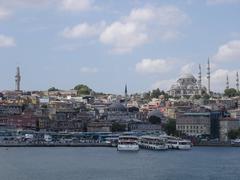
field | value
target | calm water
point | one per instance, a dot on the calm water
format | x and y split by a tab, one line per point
108	164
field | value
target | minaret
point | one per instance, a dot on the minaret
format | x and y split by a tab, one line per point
126	95
227	83
125	90
200	80
208	76
237	82
17	80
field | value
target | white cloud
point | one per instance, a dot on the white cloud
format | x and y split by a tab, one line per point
163	16
6	41
214	2
4	13
123	36
154	66
89	70
142	25
141	15
228	52
77	5
83	30
218	79
163	84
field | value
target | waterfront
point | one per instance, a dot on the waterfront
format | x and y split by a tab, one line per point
108	164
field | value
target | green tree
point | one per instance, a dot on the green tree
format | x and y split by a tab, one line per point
53	89
230	92
147	96
170	127
233	134
154	120
155	93
206	96
82	89
196	96
116	127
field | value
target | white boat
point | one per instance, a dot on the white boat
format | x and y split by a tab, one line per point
153	143
128	143
177	143
235	142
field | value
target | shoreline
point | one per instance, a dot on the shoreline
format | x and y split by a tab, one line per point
100	145
57	145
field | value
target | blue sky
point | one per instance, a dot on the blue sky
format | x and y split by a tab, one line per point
106	44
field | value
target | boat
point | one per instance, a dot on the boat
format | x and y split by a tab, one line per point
235	142
177	143
153	143
128	143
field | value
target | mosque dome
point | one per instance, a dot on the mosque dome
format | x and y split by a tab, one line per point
187	76
155	113
117	107
187	79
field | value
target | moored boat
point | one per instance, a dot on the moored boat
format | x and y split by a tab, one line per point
128	143
153	143
177	143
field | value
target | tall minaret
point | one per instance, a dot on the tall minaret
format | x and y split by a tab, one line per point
17	80
237	82
208	76
126	95
200	80
227	82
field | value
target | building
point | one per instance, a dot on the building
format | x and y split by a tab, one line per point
100	126
186	85
199	123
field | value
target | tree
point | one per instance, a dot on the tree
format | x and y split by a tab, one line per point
206	96
116	127
155	93
170	127
147	96
234	134
53	89
154	120
82	89
196	96
230	92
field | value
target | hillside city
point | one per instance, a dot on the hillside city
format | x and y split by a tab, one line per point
188	110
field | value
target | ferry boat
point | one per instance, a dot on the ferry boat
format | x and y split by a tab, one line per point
177	143
153	143
235	142
128	143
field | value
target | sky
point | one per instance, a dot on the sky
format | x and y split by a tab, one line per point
106	44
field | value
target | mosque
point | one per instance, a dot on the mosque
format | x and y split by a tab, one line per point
188	85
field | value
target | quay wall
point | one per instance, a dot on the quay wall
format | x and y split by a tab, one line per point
58	145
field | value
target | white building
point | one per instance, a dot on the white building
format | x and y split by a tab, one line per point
186	85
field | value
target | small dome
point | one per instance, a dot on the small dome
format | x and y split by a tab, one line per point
156	113
117	107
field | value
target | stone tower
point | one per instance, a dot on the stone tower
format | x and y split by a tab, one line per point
237	81
208	77
17	80
200	80
227	83
126	95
